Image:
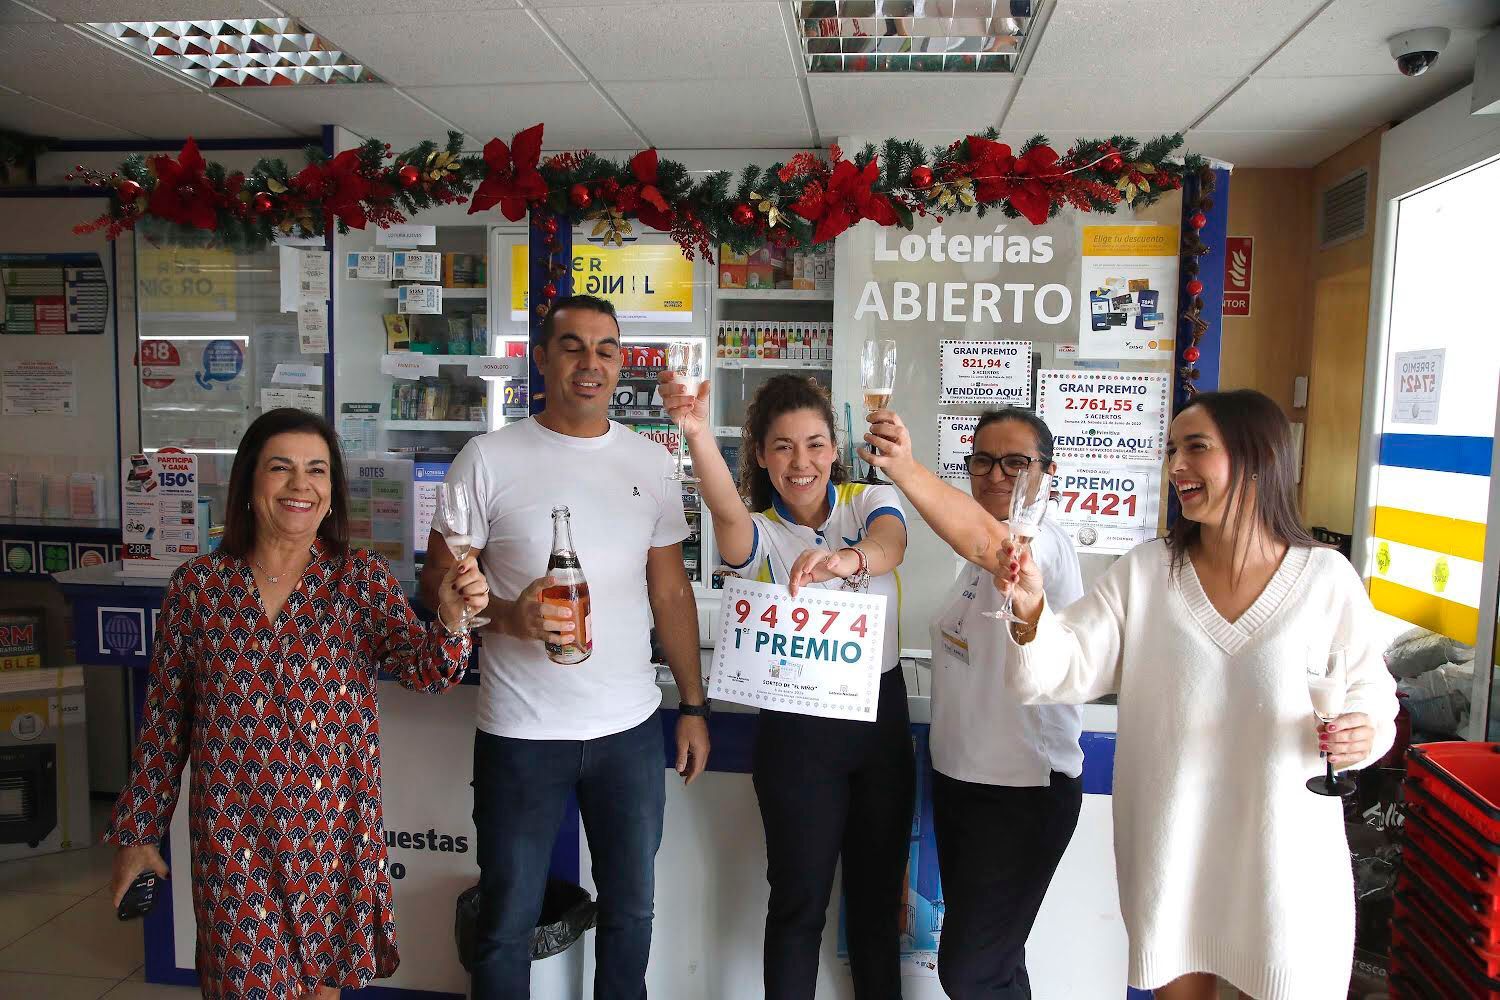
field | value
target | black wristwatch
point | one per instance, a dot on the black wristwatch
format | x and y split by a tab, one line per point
697	711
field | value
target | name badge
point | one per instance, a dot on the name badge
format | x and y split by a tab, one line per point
955	647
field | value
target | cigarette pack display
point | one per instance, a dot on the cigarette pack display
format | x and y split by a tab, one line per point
458	335
479	333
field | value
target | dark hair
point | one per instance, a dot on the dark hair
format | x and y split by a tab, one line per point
591	303
1258	438
782	394
1037	424
239	521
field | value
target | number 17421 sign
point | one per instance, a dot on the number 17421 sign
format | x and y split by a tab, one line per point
814	654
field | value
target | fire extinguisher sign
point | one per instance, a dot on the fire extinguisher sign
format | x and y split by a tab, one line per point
1238	254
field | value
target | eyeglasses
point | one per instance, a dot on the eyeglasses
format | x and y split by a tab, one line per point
980	464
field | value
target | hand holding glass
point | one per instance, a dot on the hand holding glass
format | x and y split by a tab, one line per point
453	519
1327	683
1031	491
687	360
877	369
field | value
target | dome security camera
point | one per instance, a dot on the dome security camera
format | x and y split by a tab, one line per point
1416	50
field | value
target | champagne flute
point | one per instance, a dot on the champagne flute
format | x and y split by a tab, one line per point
687	359
877	369
453	518
1029	495
1327	684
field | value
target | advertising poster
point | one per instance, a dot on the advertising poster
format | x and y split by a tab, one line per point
30	388
426	476
987	372
52	293
646	283
814	654
1108	507
181	283
1418	386
159	511
1105	415
380	511
955	443
1129	280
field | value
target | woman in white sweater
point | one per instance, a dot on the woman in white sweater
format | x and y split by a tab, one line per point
1229	868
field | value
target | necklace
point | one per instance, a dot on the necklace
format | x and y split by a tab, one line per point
267	573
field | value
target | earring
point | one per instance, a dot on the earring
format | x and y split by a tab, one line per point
1254	476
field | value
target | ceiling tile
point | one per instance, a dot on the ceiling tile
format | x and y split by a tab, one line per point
627	3
903	104
1167	39
678	42
1349	38
1290	103
24	114
11	12
175	115
311	8
1271	149
368	109
496	46
755	114
574	113
1114	106
45	59
152	10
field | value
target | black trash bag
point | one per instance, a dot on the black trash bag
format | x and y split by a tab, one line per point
567	911
1373	825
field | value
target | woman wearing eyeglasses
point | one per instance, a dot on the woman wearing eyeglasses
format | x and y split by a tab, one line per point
1007	786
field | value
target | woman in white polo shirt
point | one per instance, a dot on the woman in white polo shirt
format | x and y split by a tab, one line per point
828	788
1007	778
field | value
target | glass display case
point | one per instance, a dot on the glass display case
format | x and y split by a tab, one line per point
211	334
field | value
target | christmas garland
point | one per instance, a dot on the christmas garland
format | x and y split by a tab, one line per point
17	149
1193	247
805	202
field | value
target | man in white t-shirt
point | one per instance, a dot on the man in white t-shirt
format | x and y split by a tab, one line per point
546	730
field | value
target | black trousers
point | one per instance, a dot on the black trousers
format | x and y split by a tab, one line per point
998	848
831	788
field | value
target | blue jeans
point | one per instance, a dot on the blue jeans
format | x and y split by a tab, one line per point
521	788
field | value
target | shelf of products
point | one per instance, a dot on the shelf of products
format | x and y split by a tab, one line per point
773	274
729	364
756	342
468	426
776	294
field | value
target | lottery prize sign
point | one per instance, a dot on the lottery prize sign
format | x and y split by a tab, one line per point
1107	507
1105	415
814	654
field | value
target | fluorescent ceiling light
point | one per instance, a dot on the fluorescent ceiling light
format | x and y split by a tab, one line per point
264	52
913	36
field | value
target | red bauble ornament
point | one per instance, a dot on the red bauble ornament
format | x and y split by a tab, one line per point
610	188
1191	354
549	225
129	191
408	175
263	203
921	178
1195	287
742	214
549	291
1198	221
1112	163
579	196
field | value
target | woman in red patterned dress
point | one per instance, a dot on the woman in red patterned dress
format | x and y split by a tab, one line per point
264	677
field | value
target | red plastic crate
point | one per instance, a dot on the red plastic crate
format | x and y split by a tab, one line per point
1419	801
1417	976
1463	776
1414	941
1462	923
1449	927
1415	910
1477	881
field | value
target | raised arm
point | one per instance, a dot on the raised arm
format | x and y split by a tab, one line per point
734	530
957	517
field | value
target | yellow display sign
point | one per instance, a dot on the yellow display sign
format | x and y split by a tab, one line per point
1130	241
645	284
185	283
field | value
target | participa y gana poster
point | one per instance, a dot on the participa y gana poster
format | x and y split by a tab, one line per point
1129	280
814	654
1105	415
992	372
1108	507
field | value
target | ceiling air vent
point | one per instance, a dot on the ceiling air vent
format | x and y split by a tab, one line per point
1343	212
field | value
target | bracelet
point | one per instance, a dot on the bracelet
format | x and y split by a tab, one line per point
446	628
861	577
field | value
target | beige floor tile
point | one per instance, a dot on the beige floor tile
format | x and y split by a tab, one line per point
23	912
70	873
150	991
86	940
139	975
27	984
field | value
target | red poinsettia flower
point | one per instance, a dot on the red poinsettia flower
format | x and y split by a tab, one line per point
339	185
512	181
1030	194
183	193
990	165
847	199
642	197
